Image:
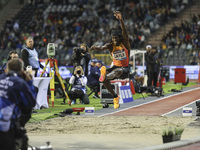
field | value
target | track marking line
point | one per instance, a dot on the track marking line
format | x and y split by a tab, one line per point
150	102
179	108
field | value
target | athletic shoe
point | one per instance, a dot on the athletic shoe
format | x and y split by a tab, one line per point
116	102
103	74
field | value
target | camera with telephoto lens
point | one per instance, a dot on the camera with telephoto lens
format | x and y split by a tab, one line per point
76	56
21	138
51	51
78	72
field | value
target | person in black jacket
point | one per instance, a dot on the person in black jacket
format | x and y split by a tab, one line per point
30	56
157	66
151	65
81	57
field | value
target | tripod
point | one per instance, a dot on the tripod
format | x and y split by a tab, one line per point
53	70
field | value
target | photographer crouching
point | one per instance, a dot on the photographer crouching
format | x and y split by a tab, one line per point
78	90
16	102
81	57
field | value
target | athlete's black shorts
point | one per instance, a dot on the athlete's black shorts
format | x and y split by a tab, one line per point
124	75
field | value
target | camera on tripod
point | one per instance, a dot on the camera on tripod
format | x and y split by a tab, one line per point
51	51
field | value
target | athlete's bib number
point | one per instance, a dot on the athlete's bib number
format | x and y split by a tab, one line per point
119	55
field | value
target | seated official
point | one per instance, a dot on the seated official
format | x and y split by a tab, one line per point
93	77
78	90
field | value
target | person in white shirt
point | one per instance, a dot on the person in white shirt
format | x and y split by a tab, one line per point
78	81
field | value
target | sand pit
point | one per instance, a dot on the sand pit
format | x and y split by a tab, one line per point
126	131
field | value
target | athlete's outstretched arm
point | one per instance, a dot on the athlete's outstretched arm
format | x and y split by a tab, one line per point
100	48
118	15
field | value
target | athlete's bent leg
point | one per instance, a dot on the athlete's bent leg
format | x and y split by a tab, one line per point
114	74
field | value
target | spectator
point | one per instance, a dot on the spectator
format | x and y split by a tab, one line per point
189	46
75	22
30	56
78	90
193	61
16	103
16	26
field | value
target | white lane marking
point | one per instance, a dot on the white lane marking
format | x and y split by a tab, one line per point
150	102
179	108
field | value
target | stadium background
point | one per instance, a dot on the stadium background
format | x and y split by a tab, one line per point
170	26
31	21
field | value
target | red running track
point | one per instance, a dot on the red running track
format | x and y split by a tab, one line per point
162	106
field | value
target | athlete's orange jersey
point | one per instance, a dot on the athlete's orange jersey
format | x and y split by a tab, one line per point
120	56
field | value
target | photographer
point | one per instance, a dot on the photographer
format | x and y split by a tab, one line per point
11	55
81	57
16	98
78	90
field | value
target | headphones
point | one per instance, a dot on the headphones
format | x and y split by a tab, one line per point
9	55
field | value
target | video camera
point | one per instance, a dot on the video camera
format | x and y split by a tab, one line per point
51	51
21	141
76	56
78	49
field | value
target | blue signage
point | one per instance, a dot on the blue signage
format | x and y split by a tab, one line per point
125	93
187	111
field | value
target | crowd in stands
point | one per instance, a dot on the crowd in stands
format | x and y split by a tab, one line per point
185	37
69	23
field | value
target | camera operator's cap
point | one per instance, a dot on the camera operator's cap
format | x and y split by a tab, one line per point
101	62
148	46
94	60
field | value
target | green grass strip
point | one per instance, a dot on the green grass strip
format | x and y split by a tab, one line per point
53	112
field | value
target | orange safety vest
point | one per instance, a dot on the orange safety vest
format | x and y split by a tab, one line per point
120	56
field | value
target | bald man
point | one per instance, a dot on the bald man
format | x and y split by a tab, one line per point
30	56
